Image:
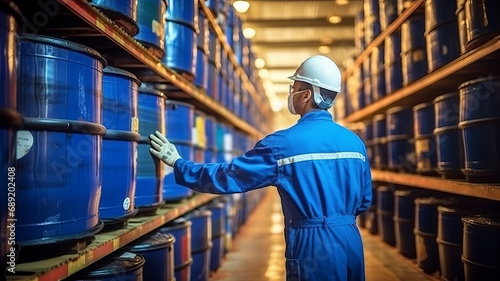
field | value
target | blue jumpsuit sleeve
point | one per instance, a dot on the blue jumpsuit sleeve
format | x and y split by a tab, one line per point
255	169
366	189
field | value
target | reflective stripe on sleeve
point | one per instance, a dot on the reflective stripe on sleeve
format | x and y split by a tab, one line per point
321	156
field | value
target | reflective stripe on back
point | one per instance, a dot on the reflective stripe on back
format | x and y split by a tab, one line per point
321	156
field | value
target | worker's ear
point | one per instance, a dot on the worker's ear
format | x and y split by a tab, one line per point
308	95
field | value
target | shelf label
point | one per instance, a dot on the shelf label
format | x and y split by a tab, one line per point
99	24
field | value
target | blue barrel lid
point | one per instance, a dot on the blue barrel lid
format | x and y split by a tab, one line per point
151	91
153	241
479	80
72	46
397	109
378	117
179	103
121	72
482	220
198	213
445	96
429	201
401	193
383	188
110	266
423	105
178	223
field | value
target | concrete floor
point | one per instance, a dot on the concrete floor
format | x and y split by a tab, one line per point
257	253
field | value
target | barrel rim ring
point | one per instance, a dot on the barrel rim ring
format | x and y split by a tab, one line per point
121	135
475	81
121	72
54	240
63	43
63	126
151	91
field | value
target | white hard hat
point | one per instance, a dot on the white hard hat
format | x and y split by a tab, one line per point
320	72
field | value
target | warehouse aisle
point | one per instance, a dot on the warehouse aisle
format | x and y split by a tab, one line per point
257	252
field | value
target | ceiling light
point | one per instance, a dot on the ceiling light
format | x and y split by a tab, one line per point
241	6
324	49
263	73
260	63
338	2
249	32
335	19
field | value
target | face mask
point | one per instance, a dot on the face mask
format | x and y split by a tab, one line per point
291	108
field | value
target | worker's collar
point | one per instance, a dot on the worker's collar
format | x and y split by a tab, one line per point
316	114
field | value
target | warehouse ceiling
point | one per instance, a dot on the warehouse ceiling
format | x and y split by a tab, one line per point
288	32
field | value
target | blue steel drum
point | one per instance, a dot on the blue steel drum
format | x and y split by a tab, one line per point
377	73
58	167
372	20
450	241
204	32
213	81
151	21
124	267
359	39
426	224
480	127
218	233
404	220
119	147
237	93
379	141
388	12
367	83
404	4
385	213
483	21
201	243
214	5
442	45
393	77
399	121
150	171
181	230
224	142
122	12
180	45
413	52
425	144
412	33
481	244
400	139
449	148
179	118
202	68
158	250
438	12
210	132
184	12
199	137
463	33
10	119
392	62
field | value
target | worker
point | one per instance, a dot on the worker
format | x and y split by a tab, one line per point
319	168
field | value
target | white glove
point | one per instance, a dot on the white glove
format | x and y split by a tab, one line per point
163	149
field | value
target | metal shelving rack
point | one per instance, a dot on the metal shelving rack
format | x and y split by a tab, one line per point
78	21
470	65
60	267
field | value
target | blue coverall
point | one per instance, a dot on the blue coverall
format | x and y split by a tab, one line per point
323	177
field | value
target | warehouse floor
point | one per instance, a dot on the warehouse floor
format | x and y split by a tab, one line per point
257	252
